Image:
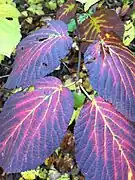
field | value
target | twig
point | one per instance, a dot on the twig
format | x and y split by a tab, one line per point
85	92
79	66
66	66
57	4
3	90
4	76
79	53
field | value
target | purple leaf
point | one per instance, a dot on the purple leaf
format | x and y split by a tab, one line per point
33	124
111	69
105	143
39	54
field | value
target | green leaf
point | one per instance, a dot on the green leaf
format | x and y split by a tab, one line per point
51	5
75	115
9	35
129	33
72	25
133	16
64	177
8	11
79	99
6	1
84	16
9	28
36	9
35	1
29	175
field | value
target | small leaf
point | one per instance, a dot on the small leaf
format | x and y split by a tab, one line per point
33	124
35	1
67	11
129	33
72	25
75	115
39	54
29	175
51	5
79	99
6	1
83	16
105	142
111	69
36	9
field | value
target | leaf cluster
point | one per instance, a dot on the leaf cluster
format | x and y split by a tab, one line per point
35	120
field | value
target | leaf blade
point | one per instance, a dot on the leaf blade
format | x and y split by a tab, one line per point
9	35
112	73
33	124
39	54
101	21
7	10
105	142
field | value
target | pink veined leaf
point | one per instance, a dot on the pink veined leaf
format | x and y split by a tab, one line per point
111	69
40	53
33	124
105	143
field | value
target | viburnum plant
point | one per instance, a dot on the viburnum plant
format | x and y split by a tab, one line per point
35	120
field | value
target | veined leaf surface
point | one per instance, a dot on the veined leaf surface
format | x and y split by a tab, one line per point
40	53
112	73
67	11
33	124
105	143
101	21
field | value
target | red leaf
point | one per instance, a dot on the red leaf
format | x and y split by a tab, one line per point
33	124
105	20
39	54
67	11
112	73
105	143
